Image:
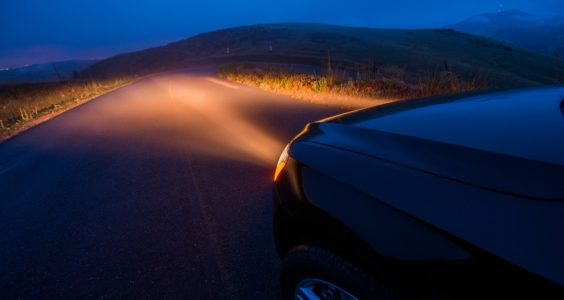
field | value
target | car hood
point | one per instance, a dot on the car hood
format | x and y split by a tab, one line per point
510	142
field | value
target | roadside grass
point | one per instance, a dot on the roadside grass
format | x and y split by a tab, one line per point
357	88
23	103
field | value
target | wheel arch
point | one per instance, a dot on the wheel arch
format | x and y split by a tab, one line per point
302	224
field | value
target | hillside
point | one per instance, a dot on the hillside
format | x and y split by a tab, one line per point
48	72
541	34
418	51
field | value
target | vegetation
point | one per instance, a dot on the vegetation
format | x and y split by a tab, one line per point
352	88
22	103
417	51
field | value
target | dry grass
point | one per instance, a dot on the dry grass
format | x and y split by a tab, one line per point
23	103
447	83
350	89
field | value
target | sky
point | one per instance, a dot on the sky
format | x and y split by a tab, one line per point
37	31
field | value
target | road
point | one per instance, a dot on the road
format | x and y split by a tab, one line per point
160	189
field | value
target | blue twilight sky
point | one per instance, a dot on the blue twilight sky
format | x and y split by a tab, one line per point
35	31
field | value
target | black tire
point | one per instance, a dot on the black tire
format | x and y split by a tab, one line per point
307	262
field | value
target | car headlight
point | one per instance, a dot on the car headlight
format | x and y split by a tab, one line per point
281	162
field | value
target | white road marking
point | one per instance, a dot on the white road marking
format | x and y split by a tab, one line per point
223	83
170	94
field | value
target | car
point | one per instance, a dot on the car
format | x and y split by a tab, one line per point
457	197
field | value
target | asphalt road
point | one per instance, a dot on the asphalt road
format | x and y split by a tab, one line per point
157	190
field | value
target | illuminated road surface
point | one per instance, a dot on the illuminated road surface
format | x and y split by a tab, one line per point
157	190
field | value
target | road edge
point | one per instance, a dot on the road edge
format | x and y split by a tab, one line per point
49	116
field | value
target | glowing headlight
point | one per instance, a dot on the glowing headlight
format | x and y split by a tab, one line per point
281	162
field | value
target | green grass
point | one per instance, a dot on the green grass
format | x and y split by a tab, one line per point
22	103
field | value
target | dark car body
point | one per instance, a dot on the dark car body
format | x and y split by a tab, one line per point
454	197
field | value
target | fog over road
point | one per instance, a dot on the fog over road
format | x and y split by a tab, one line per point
160	189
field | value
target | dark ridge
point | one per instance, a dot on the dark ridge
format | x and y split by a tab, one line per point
418	51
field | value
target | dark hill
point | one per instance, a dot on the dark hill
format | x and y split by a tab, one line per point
48	72
541	34
418	51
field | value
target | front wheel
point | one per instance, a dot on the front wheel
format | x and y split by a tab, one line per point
310	272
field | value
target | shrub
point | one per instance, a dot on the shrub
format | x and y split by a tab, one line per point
389	82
